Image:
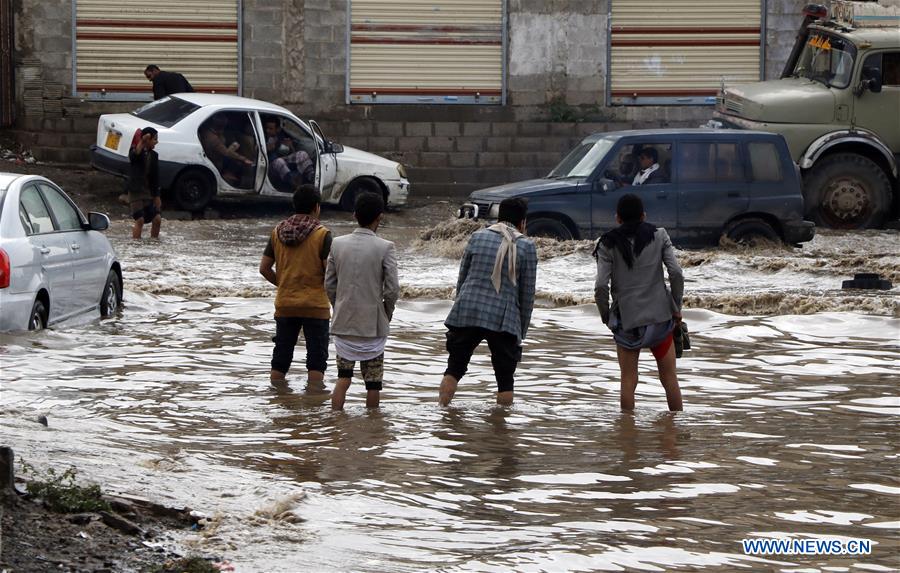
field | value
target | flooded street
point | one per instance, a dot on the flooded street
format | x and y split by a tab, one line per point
790	426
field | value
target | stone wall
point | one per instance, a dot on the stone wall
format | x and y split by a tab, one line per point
295	53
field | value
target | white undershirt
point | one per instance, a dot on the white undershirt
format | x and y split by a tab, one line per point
643	175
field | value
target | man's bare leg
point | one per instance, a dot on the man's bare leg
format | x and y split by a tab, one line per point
505	398
137	228
340	394
448	389
315	381
373	398
669	378
628	366
154	227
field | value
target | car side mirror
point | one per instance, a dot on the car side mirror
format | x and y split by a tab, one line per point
871	80
98	222
332	147
604	185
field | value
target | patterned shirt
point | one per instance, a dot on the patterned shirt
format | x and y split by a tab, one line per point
477	302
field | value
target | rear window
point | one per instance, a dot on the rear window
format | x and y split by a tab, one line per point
166	112
764	162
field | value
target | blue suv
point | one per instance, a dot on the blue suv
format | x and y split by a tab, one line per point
699	184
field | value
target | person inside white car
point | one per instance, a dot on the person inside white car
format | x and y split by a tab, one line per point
289	166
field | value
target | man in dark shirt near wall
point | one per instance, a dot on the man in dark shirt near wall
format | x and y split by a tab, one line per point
166	83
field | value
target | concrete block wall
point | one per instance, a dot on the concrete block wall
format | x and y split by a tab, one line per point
295	54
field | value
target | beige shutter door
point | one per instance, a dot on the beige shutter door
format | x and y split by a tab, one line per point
116	39
441	51
680	51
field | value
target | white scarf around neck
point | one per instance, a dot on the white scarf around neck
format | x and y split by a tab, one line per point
509	235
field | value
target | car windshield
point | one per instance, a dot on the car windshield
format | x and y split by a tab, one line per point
826	59
166	112
581	161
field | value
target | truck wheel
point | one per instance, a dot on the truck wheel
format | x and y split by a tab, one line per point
356	188
550	228
748	231
193	190
847	191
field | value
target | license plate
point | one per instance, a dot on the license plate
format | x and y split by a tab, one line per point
112	139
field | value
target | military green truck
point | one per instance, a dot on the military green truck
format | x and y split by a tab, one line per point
837	103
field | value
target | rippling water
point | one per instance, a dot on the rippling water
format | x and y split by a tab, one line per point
790	426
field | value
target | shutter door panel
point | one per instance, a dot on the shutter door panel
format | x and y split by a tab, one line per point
446	51
115	40
680	51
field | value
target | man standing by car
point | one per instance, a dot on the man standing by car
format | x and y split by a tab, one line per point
494	301
362	284
644	312
298	249
166	83
143	184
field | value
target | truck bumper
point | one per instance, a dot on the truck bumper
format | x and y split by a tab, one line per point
108	161
799	232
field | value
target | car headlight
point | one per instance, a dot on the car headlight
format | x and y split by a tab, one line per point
494	211
402	171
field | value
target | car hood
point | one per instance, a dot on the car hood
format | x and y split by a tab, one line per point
524	189
359	156
788	100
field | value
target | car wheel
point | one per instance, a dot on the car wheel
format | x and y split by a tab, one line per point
38	318
750	230
193	190
111	297
356	188
847	191
550	228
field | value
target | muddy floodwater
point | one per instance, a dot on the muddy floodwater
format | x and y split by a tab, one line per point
790	426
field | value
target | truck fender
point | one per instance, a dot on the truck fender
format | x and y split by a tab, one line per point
818	147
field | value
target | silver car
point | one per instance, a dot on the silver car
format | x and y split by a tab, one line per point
54	264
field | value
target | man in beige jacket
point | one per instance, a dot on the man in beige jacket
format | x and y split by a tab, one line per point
361	282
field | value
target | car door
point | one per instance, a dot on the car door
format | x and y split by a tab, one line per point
51	252
282	168
712	188
658	196
89	256
327	161
874	110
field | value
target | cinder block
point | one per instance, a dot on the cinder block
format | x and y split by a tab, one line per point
391	128
419	129
521	159
446	128
534	128
470	143
411	144
433	159
440	143
459	159
498	143
480	128
490	159
381	144
504	128
527	143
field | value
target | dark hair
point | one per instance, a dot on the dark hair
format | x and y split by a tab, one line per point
152	131
513	210
305	199
630	208
368	207
651	153
151	67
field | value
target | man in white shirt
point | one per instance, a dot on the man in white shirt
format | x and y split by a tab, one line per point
649	173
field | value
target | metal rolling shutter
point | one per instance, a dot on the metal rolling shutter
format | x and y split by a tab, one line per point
680	51
439	51
116	39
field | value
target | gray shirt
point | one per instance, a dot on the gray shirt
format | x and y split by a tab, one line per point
361	283
639	294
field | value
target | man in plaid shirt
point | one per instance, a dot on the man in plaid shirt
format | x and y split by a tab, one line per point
494	300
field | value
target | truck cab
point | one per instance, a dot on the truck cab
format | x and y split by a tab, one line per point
837	104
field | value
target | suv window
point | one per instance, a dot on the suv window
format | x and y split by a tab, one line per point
765	164
626	166
709	162
166	112
36	218
67	216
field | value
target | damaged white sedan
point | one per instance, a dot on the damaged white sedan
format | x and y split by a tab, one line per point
213	144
